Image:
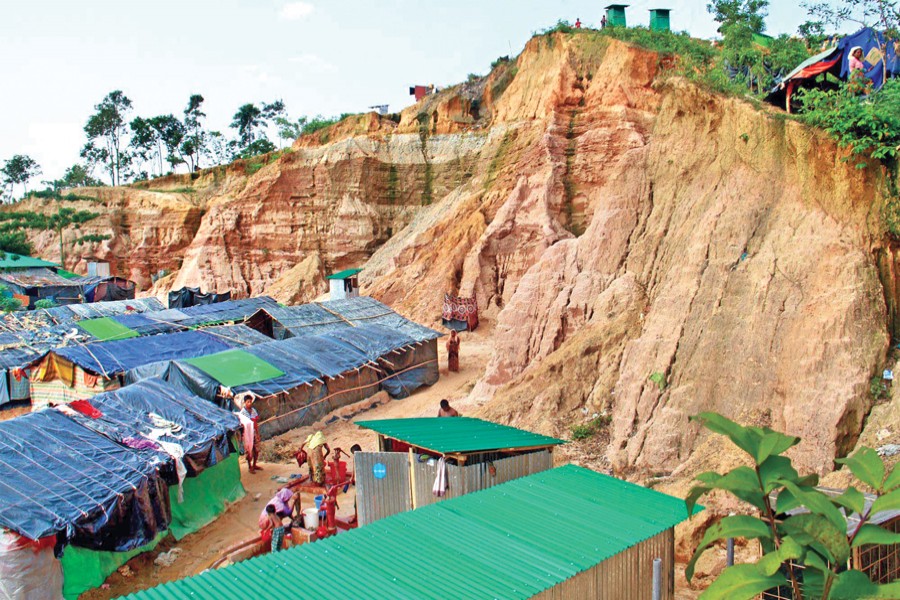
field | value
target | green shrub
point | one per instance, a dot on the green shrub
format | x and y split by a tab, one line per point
45	303
591	428
660	380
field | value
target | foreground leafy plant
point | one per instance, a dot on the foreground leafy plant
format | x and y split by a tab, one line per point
817	538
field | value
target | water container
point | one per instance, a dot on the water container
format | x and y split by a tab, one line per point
319	500
311	518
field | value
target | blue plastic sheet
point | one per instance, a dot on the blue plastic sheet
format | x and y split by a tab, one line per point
58	477
868	39
112	358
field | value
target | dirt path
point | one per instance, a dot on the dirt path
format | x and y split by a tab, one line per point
238	522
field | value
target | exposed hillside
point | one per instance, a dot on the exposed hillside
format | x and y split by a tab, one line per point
615	224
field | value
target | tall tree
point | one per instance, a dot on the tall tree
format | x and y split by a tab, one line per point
744	13
289	130
107	130
738	21
194	136
18	170
75	176
247	120
144	142
169	135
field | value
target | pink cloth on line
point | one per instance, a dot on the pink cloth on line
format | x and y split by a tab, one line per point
249	435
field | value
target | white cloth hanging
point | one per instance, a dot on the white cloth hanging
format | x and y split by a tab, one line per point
177	453
440	480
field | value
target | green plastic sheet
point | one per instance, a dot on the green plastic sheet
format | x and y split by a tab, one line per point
105	329
205	496
85	569
235	367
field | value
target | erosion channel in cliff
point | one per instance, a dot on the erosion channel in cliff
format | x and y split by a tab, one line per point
641	248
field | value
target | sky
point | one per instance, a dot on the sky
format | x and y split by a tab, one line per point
59	58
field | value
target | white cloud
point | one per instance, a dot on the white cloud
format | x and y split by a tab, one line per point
313	63
294	11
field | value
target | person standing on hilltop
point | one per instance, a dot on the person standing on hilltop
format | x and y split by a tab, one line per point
453	352
577	23
603	22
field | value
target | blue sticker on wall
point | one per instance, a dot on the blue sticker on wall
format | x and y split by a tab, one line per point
379	470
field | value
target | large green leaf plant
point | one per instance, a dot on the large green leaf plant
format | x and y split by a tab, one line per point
818	538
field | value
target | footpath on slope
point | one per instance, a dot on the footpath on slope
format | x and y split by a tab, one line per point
238	523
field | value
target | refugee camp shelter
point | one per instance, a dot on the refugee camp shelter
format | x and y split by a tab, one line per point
881	563
40	283
102	477
825	69
10	261
81	371
299	380
479	454
409	357
564	533
344	284
188	296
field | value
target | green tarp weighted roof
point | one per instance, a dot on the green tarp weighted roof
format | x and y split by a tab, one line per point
458	434
105	329
346	274
514	540
235	367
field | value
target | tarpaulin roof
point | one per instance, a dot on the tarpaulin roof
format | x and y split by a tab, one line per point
54	473
334	315
93	310
105	329
458	434
126	414
305	359
111	358
219	312
869	39
235	367
513	540
37	277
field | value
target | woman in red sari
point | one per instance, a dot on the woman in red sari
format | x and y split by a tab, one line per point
453	352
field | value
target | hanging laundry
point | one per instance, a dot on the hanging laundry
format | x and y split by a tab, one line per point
440	481
177	453
85	408
249	434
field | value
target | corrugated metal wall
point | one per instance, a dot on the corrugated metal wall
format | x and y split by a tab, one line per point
625	576
389	496
378	498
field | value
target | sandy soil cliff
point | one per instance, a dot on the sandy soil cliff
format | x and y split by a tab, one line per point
615	225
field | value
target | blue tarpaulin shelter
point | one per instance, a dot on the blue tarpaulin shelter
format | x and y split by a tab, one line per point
836	62
61	478
359	346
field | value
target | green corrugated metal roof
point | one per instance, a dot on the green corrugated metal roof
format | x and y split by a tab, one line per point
458	434
20	261
345	274
510	541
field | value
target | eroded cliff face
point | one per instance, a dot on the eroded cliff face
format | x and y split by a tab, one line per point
628	228
615	224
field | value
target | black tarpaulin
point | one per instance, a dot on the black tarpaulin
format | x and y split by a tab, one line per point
58	477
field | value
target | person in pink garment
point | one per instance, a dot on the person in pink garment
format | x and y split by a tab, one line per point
856	59
250	413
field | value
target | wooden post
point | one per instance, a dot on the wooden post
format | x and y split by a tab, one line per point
412	479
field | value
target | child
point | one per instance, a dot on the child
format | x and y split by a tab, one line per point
271	528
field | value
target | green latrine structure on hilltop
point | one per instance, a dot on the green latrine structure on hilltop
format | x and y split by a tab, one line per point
615	15
659	19
564	533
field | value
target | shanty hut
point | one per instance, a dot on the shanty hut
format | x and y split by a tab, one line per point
109	478
564	533
407	366
478	454
880	562
344	284
31	285
63	482
299	380
72	372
